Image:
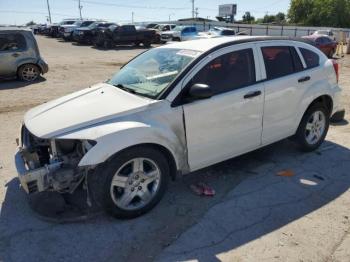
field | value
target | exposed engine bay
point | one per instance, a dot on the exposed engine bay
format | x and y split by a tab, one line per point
51	164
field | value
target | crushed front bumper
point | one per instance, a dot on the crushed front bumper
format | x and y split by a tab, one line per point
34	180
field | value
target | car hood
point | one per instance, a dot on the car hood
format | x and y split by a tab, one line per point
87	107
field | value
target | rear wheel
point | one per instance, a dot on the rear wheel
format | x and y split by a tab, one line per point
28	72
133	182
313	128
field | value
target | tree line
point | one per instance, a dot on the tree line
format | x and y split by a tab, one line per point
332	13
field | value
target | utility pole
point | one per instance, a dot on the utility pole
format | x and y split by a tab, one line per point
132	17
80	7
48	8
196	12
192	8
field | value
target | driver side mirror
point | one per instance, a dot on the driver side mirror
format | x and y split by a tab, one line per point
200	91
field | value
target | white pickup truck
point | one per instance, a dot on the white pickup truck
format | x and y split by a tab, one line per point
176	109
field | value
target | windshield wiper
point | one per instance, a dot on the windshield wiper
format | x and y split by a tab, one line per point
127	89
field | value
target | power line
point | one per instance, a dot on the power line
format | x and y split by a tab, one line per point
33	12
133	6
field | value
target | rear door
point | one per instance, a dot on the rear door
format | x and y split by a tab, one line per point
286	82
12	50
230	122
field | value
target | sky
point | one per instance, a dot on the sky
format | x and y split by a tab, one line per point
22	11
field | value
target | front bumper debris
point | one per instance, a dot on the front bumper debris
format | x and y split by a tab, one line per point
34	180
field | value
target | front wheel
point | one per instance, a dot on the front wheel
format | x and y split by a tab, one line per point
313	128
147	43
133	182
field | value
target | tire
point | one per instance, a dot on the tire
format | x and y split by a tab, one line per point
311	133
107	44
126	197
28	72
146	43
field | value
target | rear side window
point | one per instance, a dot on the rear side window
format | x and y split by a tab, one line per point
278	61
228	72
311	58
298	66
12	42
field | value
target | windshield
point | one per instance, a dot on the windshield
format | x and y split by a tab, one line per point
150	73
67	22
86	23
78	23
178	28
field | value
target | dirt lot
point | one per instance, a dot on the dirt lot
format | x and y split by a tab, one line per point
255	214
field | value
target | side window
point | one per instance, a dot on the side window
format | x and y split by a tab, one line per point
311	58
278	61
298	66
12	42
228	72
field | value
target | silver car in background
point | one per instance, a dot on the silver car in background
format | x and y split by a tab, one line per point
19	55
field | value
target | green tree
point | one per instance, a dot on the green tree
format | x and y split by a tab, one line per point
30	23
248	18
334	13
280	18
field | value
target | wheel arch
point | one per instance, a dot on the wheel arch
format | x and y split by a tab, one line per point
173	168
324	99
163	139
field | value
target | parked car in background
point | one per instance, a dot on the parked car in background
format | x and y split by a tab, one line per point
179	33
151	25
162	28
329	33
19	55
86	35
217	32
326	44
124	34
55	28
68	30
173	110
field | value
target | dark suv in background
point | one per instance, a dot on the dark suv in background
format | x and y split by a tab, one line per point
19	55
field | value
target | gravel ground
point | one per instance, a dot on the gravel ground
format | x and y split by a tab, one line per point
255	215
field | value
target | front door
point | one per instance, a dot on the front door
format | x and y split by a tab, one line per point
230	122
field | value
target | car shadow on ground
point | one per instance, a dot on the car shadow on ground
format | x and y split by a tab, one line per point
250	202
6	84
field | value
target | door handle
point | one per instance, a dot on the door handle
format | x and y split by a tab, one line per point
252	94
15	55
304	79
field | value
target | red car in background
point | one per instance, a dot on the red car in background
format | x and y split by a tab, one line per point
326	44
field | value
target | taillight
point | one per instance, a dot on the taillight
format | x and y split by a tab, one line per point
336	68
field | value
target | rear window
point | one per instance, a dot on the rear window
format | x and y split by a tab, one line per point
311	58
278	61
12	42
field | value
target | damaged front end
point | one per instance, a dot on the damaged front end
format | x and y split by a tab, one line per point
50	164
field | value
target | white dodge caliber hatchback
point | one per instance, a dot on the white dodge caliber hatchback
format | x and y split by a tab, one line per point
173	110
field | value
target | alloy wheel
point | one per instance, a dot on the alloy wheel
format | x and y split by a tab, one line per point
30	73
135	184
315	127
